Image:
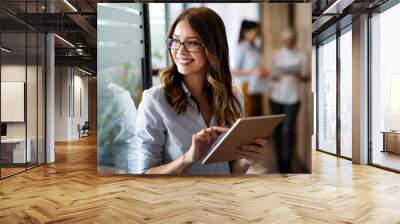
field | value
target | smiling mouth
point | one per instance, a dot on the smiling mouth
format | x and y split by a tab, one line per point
184	62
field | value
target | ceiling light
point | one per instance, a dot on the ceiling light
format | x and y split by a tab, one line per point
65	41
338	6
70	5
84	71
5	50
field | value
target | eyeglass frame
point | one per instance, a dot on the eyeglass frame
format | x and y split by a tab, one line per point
184	46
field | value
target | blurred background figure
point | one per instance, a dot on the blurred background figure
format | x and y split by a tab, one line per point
288	69
248	70
116	132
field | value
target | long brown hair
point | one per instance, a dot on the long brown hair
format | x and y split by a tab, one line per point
211	30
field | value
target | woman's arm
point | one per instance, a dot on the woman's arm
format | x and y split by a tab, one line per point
260	72
201	143
241	72
177	166
239	166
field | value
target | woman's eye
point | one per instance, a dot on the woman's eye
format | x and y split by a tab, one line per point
175	41
193	43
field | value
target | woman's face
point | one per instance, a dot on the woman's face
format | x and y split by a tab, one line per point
289	42
252	34
188	63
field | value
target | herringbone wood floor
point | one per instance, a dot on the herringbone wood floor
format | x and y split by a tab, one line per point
70	191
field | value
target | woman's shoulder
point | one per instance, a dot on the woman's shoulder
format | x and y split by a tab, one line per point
156	92
153	96
243	45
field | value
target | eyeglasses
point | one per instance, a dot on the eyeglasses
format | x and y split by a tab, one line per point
190	46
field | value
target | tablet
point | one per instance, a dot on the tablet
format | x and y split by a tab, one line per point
243	131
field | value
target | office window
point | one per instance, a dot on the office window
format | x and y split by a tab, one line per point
385	87
121	47
158	35
346	94
327	96
314	89
22	93
13	86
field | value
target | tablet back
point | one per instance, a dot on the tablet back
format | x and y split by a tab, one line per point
244	131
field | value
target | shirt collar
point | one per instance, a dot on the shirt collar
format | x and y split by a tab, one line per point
189	98
186	90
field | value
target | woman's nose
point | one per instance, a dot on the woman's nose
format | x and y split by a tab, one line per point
182	50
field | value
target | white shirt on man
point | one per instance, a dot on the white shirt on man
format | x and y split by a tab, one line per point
287	64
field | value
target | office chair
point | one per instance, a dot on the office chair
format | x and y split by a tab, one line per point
84	130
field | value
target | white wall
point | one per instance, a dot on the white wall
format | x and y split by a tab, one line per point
79	117
16	73
70	83
62	81
33	126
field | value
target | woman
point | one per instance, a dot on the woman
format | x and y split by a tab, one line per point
288	69
248	66
179	120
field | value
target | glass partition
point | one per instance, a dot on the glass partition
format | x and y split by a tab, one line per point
385	89
22	90
326	88
41	107
158	36
120	28
14	151
31	98
346	93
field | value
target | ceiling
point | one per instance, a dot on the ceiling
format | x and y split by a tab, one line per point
330	15
76	22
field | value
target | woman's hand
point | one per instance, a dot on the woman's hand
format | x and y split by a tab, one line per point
253	153
260	72
201	143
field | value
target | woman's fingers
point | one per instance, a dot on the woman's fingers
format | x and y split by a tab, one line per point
249	155
207	135
254	152
253	148
213	133
203	136
219	129
210	134
262	142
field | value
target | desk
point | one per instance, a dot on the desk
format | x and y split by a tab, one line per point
391	141
15	148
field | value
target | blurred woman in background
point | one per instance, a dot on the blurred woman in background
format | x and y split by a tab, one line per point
248	66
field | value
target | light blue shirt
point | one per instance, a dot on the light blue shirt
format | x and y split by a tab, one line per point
249	56
163	135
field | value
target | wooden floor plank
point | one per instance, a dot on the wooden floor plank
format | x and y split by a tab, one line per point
71	191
